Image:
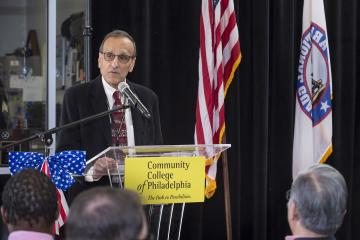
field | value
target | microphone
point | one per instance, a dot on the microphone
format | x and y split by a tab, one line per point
133	99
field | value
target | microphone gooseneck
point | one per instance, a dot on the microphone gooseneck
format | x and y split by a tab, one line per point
133	99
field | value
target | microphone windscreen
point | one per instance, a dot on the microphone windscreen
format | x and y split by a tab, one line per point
123	86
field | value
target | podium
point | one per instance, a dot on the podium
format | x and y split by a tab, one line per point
170	183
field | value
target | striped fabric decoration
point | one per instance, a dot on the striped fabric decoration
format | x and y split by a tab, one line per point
219	56
63	208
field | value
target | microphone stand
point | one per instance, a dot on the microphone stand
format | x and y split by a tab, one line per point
46	136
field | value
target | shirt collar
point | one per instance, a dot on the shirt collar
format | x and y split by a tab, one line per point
29	235
109	91
294	237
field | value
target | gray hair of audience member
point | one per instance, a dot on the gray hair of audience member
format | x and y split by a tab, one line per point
320	196
105	213
118	34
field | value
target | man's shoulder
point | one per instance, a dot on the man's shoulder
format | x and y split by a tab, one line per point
83	87
142	90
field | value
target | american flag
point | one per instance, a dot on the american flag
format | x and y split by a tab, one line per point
64	208
219	56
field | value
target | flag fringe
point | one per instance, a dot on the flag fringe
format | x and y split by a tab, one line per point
210	187
327	154
231	76
209	162
211	183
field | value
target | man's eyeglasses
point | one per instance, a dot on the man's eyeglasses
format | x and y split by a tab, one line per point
123	58
288	194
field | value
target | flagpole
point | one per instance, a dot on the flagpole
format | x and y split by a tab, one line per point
226	192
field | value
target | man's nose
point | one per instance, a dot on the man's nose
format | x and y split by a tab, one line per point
115	62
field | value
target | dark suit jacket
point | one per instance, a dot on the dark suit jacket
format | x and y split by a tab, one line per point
318	238
87	99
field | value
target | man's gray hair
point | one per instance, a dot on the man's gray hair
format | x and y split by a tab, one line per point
320	196
118	34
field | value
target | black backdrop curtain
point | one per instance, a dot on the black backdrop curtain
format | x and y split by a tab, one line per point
259	105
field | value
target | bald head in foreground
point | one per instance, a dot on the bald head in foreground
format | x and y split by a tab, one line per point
108	214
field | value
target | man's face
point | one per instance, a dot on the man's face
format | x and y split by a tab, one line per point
114	71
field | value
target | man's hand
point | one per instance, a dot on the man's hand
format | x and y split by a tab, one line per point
102	165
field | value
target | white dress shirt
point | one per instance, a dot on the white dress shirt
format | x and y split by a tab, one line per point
109	91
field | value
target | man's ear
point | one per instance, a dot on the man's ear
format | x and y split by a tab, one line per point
293	213
4	215
132	64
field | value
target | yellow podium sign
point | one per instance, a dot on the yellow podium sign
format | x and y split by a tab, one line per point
162	180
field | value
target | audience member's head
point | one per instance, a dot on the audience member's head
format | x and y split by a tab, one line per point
29	202
317	203
108	214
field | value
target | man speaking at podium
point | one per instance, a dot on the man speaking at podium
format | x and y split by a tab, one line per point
130	127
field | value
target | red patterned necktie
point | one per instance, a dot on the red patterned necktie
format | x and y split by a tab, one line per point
118	126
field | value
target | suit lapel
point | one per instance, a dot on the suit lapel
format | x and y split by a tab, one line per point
139	128
99	104
139	122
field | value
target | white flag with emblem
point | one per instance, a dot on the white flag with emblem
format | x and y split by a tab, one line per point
313	113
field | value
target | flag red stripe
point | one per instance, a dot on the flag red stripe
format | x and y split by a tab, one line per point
219	56
225	37
62	212
205	72
199	133
224	4
235	54
210	15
